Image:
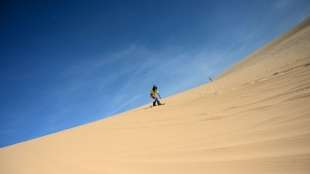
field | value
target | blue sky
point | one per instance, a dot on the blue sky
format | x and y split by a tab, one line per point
68	63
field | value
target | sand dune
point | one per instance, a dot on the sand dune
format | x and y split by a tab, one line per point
255	118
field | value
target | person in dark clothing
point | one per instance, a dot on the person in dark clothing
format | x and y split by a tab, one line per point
155	96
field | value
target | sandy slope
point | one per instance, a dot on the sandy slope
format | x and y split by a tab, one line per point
254	119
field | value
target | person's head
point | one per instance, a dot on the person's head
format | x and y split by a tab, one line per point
154	88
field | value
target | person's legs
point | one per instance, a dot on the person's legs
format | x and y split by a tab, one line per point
158	102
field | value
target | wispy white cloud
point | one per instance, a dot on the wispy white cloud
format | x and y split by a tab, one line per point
122	80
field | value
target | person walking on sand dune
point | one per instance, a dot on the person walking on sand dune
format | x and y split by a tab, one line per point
155	96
